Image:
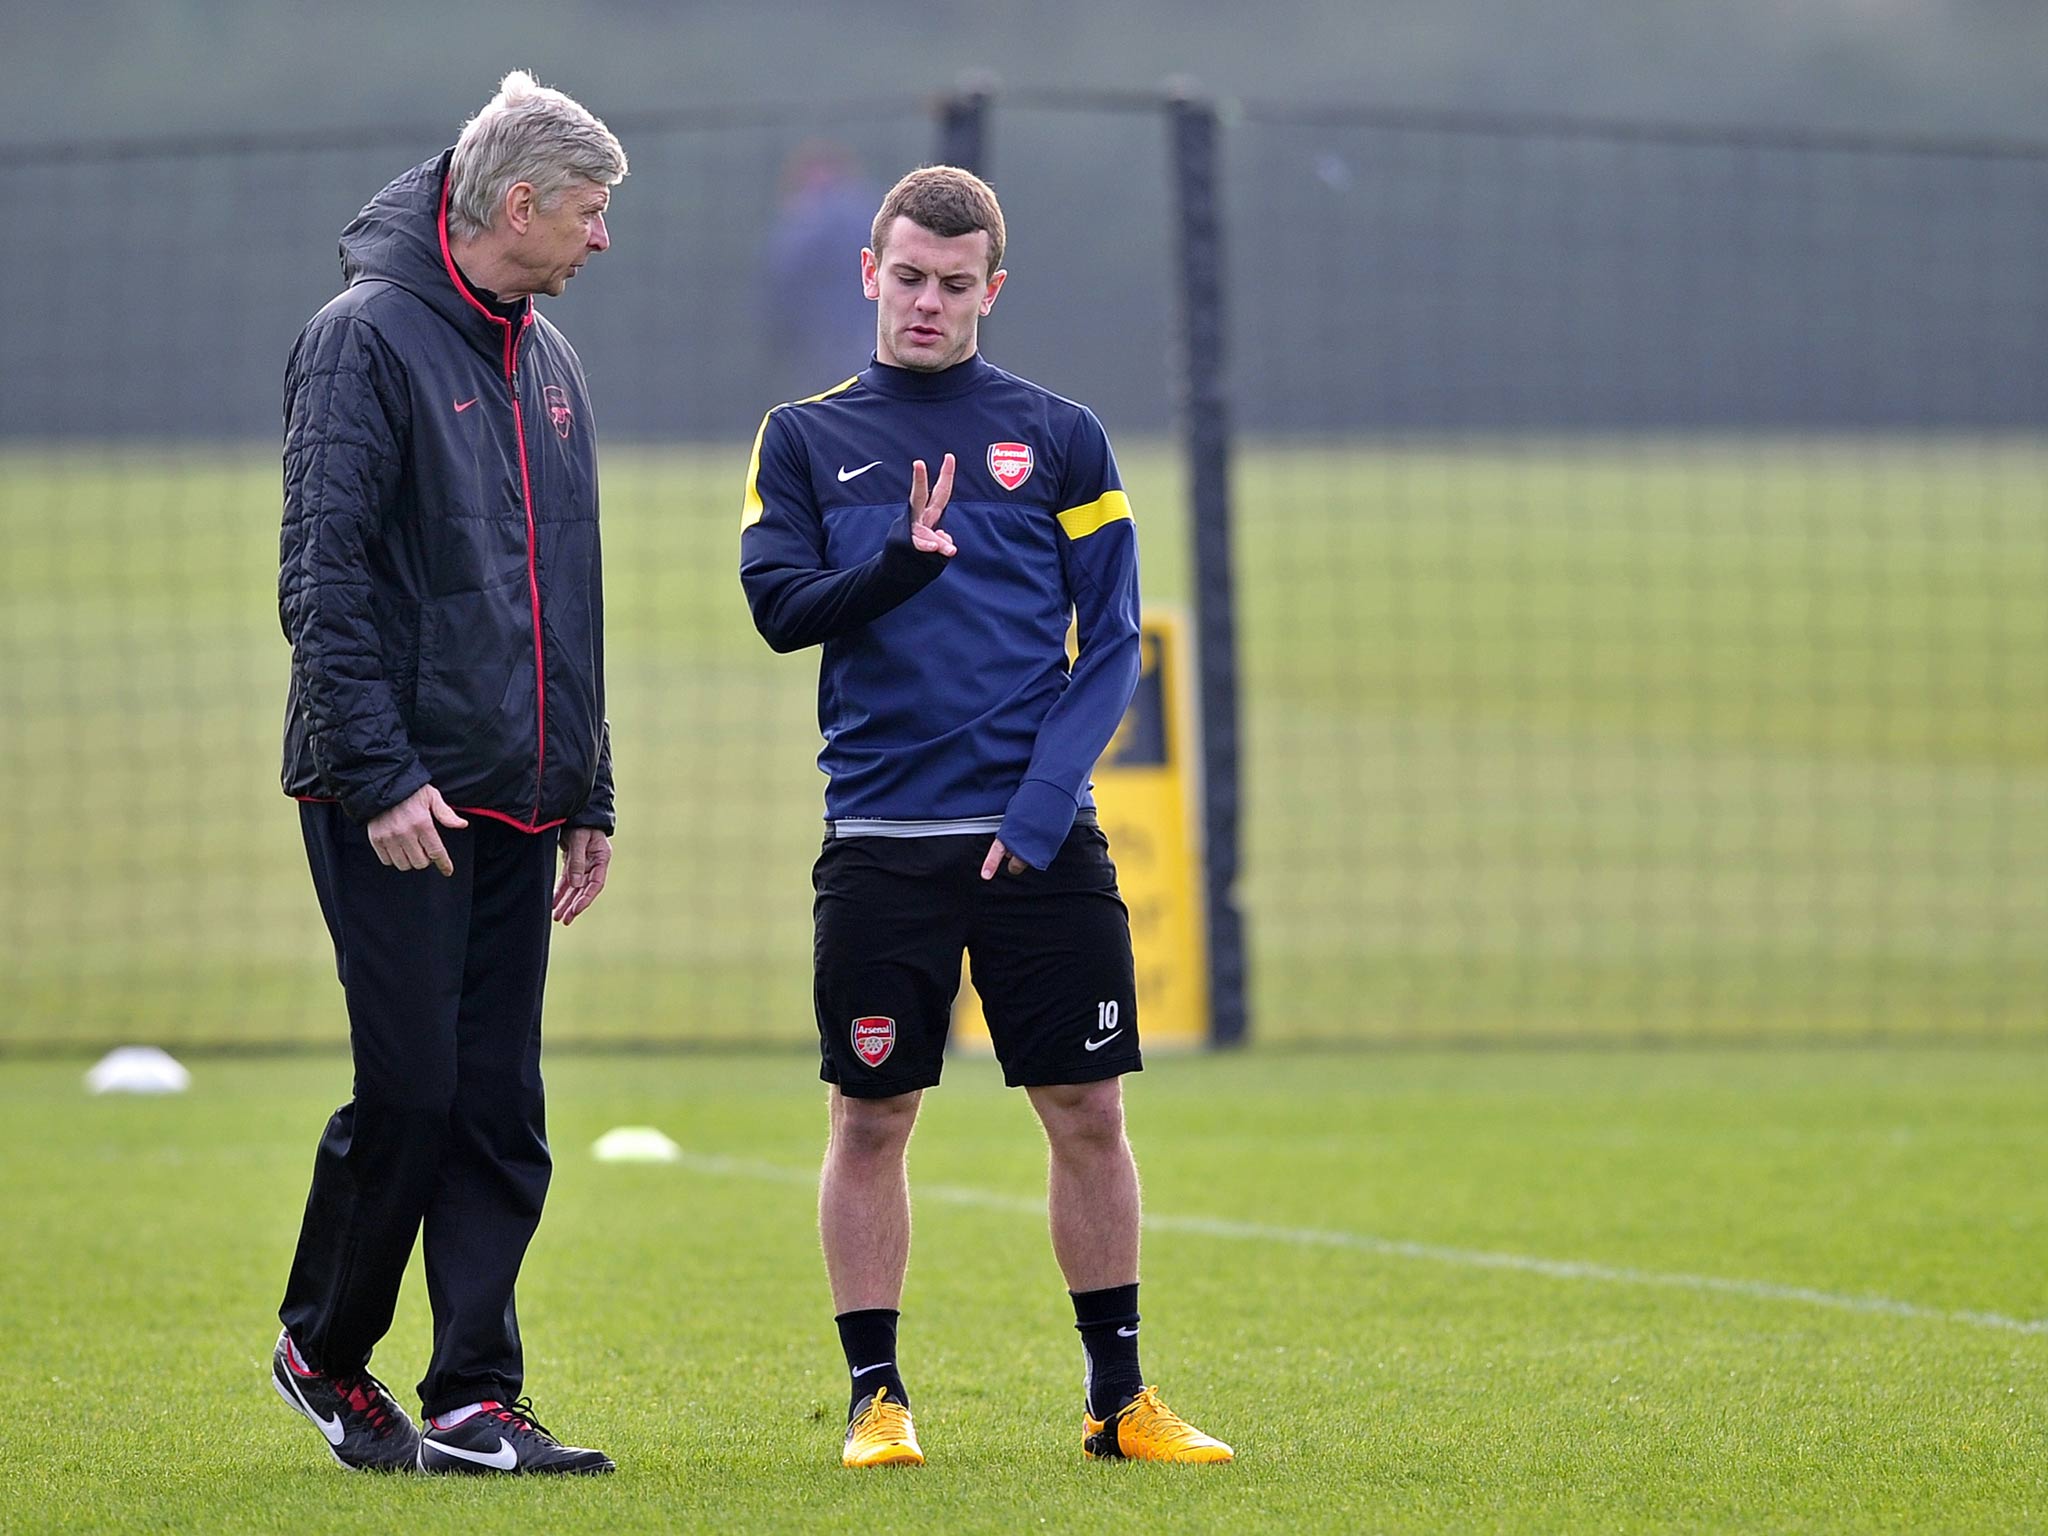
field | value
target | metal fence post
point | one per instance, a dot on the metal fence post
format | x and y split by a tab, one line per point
963	123
1195	147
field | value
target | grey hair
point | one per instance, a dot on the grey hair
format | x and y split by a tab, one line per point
532	133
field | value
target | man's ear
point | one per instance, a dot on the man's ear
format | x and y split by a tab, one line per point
995	286
520	206
870	274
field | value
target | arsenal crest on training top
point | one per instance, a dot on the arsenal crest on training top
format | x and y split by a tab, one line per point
1010	463
558	409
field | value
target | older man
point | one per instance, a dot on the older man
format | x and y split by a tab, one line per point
445	735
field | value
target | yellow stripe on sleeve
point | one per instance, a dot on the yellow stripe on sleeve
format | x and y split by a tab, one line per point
750	508
1110	507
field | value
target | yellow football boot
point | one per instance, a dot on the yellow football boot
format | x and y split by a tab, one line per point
1145	1429
881	1435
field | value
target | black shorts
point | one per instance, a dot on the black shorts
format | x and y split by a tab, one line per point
1049	950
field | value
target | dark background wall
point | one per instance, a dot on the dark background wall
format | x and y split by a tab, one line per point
121	67
1603	281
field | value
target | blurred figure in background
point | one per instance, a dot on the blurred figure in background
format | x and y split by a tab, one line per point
820	325
445	733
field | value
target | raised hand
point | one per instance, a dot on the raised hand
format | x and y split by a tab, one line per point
927	505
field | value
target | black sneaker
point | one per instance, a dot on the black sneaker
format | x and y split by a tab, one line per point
365	1429
500	1439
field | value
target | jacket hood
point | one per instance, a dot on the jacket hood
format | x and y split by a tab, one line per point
400	237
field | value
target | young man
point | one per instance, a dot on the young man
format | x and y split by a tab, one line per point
445	732
958	744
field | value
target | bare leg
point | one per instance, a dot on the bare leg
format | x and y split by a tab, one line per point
1092	1197
1092	1189
864	1200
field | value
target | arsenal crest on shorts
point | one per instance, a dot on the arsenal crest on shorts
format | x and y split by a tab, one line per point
1010	463
873	1039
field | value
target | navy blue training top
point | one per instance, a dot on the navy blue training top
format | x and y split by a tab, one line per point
945	694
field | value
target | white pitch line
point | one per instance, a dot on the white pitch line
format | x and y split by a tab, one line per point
1387	1247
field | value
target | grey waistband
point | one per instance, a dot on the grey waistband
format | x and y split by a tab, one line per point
959	826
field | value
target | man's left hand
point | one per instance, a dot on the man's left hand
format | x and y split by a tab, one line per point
996	851
586	858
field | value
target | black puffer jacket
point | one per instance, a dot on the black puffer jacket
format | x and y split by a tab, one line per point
438	577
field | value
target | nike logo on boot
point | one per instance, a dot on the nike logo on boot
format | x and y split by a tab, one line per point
504	1458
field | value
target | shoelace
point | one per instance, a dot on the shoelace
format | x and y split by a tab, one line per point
367	1396
520	1415
1147	1414
879	1411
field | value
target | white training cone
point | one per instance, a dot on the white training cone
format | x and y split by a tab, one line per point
137	1069
635	1144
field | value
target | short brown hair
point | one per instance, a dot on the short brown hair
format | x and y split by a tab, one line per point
947	201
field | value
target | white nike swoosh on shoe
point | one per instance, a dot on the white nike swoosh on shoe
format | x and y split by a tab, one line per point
1096	1045
504	1458
331	1428
882	1366
846	474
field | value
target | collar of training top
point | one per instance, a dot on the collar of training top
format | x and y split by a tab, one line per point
913	384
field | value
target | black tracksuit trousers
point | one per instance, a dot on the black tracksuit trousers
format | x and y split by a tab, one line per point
445	1134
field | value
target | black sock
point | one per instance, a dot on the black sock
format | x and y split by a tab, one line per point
869	1339
1108	1322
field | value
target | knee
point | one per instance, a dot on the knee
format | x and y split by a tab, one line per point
395	1140
872	1130
425	1127
1082	1117
423	1095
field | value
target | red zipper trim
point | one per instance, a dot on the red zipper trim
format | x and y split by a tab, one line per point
513	333
512	821
455	277
463	810
540	676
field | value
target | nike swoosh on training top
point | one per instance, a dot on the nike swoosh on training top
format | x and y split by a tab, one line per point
331	1428
1096	1045
882	1366
846	474
463	405
504	1458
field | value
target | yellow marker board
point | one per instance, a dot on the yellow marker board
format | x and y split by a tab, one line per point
1142	797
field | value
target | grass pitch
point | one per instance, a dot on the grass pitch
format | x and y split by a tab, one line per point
1548	1291
1544	741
